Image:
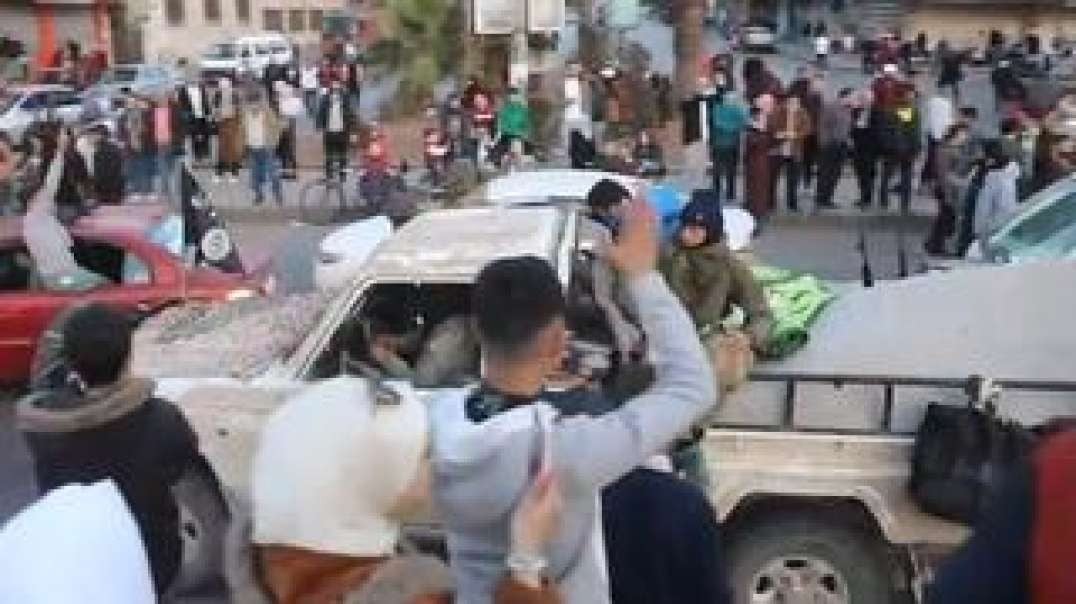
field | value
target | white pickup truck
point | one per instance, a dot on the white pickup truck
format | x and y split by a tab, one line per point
809	462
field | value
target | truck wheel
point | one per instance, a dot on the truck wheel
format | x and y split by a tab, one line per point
203	523
797	558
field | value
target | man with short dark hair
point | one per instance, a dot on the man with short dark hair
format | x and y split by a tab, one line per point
106	424
834	132
596	233
487	443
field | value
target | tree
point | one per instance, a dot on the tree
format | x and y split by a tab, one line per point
422	46
688	43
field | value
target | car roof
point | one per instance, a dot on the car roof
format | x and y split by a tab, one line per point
456	244
542	184
28	88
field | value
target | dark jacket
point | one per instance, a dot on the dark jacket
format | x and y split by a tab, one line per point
899	132
864	133
1022	550
662	542
75	182
119	432
108	172
323	113
186	104
709	280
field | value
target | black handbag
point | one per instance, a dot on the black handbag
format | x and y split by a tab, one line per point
961	456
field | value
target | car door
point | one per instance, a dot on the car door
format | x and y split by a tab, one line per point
134	280
26	309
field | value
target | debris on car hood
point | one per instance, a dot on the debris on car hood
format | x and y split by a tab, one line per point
234	340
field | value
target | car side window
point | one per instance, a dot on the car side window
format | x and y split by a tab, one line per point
34	102
119	266
420	333
65	98
16	270
261	49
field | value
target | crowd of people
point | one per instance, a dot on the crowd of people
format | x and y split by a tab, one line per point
545	497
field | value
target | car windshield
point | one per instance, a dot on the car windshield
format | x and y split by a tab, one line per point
1044	228
221	51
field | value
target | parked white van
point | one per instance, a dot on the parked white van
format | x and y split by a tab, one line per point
246	55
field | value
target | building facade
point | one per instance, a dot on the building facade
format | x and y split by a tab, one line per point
183	29
44	26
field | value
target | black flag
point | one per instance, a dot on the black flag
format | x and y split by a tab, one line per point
204	230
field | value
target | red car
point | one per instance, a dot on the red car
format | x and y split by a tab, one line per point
138	248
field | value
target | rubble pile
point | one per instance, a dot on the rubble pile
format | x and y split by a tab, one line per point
237	340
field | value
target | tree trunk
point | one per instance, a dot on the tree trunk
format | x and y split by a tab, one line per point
688	44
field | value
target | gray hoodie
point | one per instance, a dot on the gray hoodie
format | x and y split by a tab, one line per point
482	469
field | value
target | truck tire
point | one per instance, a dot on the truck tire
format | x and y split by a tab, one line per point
204	518
799	557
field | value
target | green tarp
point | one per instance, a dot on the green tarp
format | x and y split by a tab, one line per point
796	300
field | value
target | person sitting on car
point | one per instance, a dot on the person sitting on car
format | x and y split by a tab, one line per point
597	233
104	423
46	238
450	355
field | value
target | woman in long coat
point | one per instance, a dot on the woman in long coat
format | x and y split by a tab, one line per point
758	166
226	107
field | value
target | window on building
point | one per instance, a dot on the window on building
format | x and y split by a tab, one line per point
174	13
212	11
296	20
242	11
316	17
274	19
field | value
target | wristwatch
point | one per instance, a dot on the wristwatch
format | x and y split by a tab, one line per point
528	567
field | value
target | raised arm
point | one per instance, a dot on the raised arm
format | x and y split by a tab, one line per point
595	451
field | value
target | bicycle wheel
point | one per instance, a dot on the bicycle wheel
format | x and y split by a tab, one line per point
321	202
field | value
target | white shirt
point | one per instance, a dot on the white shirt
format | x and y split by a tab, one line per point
310	78
47	240
78	543
195	94
939	116
821	45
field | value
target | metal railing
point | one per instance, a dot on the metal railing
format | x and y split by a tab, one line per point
889	385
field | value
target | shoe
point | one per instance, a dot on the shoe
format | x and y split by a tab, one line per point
826	206
280	202
258	201
233	179
216	179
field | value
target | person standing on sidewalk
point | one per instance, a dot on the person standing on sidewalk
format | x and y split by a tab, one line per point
808	88
262	127
834	132
168	138
941	115
136	135
308	79
790	126
194	105
290	106
758	167
229	131
899	135
337	123
728	122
